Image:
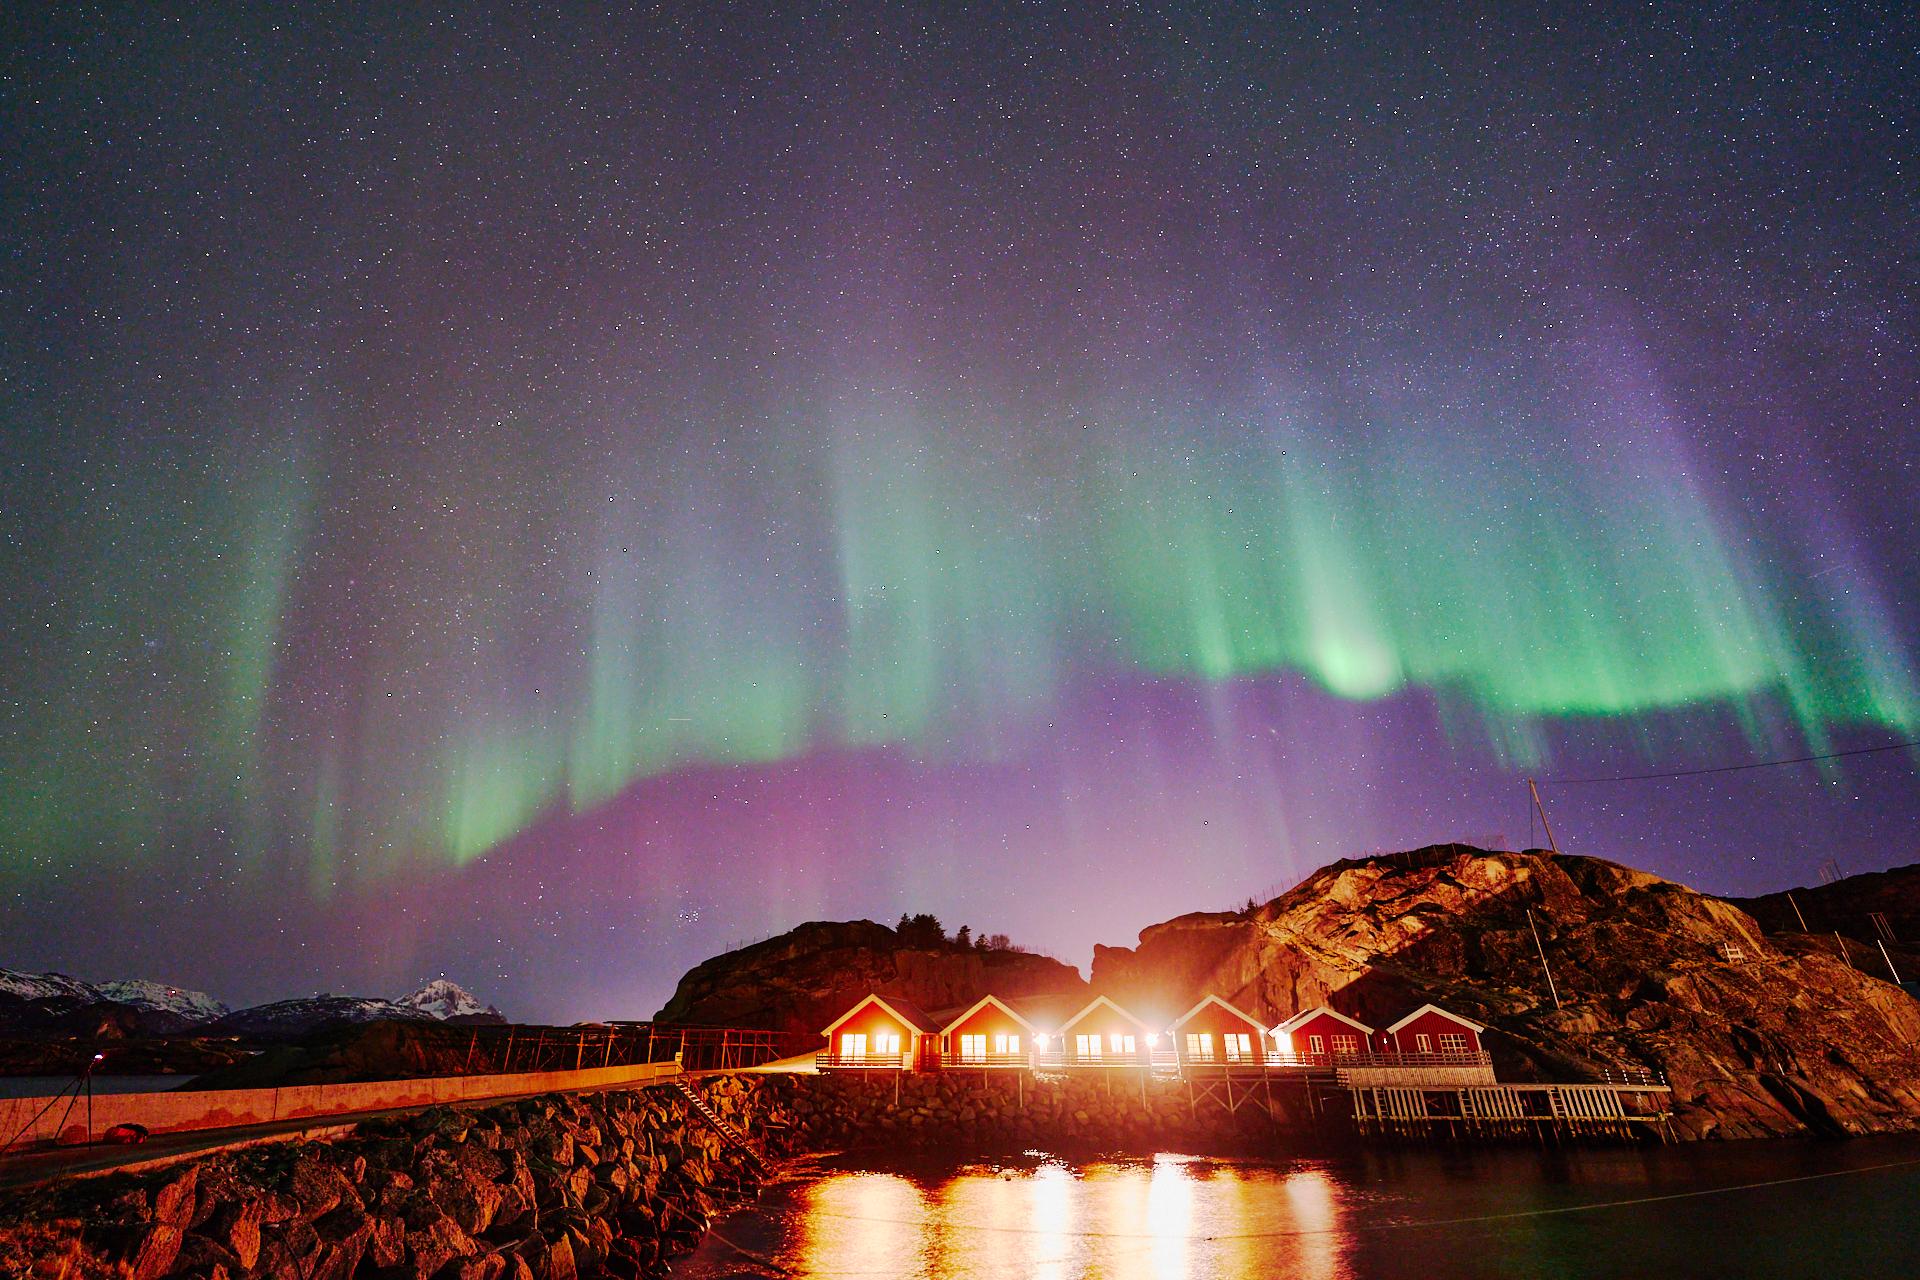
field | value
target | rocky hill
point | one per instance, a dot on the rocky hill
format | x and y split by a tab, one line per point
806	977
1756	1037
1807	919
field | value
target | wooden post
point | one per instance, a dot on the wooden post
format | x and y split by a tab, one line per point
1797	913
1840	942
1535	792
1889	959
1553	990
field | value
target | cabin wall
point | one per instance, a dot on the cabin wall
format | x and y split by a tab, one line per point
989	1022
1218	1022
1433	1025
1106	1024
1327	1027
872	1022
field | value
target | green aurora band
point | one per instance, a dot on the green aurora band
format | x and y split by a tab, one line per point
418	678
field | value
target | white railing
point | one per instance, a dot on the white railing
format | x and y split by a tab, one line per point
862	1061
1378	1058
1056	1060
985	1061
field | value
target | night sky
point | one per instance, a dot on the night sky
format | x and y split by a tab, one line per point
542	500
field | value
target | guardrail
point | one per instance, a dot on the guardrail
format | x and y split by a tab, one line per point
31	1122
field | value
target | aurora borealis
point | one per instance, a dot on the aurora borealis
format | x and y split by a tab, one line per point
544	501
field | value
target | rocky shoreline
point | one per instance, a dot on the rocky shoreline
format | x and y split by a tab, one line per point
550	1188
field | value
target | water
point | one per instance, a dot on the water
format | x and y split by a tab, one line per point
1744	1210
47	1086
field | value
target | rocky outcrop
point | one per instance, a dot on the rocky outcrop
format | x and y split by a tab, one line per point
1756	1038
800	981
549	1188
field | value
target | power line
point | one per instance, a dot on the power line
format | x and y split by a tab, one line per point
1732	768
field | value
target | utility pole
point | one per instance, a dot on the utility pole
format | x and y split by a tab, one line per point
1535	792
1551	989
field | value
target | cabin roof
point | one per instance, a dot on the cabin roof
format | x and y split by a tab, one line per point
1212	999
1434	1008
1306	1015
1045	1012
1095	1003
909	1014
981	1003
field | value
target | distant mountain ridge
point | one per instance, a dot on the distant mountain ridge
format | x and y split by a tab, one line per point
57	1004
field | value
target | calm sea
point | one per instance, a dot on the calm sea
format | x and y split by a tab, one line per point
46	1086
1751	1209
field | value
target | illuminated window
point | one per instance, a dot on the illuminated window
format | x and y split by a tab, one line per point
973	1048
853	1046
1452	1042
886	1044
1422	1042
1006	1044
1200	1046
1122	1045
1086	1047
1239	1046
1316	1044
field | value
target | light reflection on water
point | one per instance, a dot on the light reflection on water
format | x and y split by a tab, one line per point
1171	1216
1735	1209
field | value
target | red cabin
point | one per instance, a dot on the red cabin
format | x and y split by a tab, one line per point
1105	1035
1215	1034
1315	1037
988	1034
1432	1030
881	1035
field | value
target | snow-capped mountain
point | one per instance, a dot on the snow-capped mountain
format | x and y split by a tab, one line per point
45	986
443	999
141	994
291	1019
50	1001
54	1002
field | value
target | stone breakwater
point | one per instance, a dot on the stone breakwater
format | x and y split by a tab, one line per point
550	1188
558	1187
962	1111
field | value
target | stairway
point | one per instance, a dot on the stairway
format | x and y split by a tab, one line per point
731	1136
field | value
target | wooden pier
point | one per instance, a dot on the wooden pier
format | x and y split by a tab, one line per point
1542	1112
